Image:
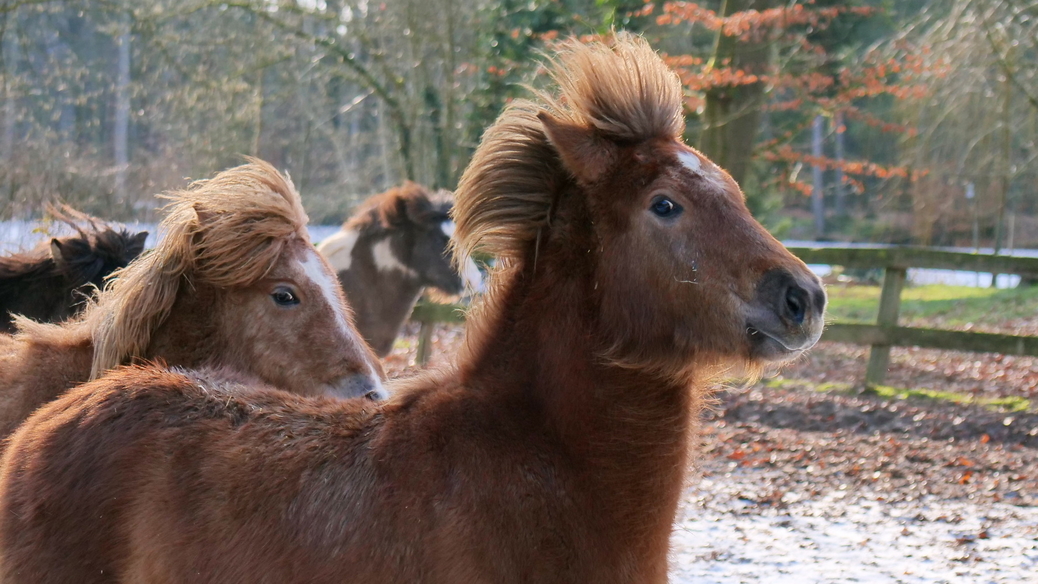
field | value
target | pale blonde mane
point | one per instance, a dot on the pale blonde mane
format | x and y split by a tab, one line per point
621	89
227	231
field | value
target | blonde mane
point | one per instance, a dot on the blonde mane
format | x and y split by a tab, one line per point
621	89
227	231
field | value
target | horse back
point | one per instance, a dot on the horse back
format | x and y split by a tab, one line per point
150	475
38	364
143	476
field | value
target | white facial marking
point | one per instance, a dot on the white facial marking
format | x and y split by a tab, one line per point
315	270
338	249
448	228
471	275
385	261
690	161
709	173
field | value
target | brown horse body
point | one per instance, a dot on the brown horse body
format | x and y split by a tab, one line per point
54	281
393	248
234	283
554	451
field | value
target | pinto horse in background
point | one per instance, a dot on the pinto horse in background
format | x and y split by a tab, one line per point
234	282
395	246
630	273
54	281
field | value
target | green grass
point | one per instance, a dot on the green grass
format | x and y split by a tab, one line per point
949	306
1009	404
999	404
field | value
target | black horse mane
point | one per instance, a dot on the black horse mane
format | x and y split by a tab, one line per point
62	269
84	255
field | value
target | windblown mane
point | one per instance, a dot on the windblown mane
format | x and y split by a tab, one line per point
622	89
94	239
384	211
26	265
227	231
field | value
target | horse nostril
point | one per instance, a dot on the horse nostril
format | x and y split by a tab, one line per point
796	304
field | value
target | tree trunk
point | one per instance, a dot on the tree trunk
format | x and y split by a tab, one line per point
732	114
840	188
9	51
122	112
441	157
817	186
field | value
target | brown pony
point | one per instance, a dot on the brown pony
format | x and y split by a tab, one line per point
555	449
234	282
54	281
388	252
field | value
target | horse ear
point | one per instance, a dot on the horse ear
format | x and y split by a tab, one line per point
57	250
419	209
136	244
584	153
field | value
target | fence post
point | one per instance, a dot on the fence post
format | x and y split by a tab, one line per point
424	341
889	305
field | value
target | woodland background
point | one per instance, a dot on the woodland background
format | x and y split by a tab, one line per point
908	121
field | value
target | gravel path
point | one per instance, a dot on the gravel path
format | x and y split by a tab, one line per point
722	538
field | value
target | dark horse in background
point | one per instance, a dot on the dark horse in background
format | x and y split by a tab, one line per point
53	281
393	248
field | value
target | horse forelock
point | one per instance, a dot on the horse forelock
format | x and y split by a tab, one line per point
227	231
621	89
397	206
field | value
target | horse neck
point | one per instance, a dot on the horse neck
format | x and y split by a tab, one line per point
381	300
627	428
188	336
38	365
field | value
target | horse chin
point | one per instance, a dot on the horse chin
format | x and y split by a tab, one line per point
770	349
358	385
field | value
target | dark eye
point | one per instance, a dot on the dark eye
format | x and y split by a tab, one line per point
284	296
664	207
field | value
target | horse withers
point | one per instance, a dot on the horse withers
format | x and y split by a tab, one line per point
234	282
394	247
630	273
54	282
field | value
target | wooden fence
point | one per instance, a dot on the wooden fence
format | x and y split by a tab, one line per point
885	333
895	261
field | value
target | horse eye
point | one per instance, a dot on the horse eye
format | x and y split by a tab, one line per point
284	297
664	207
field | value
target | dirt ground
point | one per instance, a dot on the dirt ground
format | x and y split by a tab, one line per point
797	485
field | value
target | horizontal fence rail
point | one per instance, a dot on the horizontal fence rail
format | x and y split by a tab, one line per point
904	257
895	261
885	333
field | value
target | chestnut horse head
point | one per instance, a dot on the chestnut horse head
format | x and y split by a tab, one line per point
235	282
597	182
395	246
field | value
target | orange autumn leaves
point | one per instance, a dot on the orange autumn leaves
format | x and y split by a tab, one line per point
753	25
809	86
